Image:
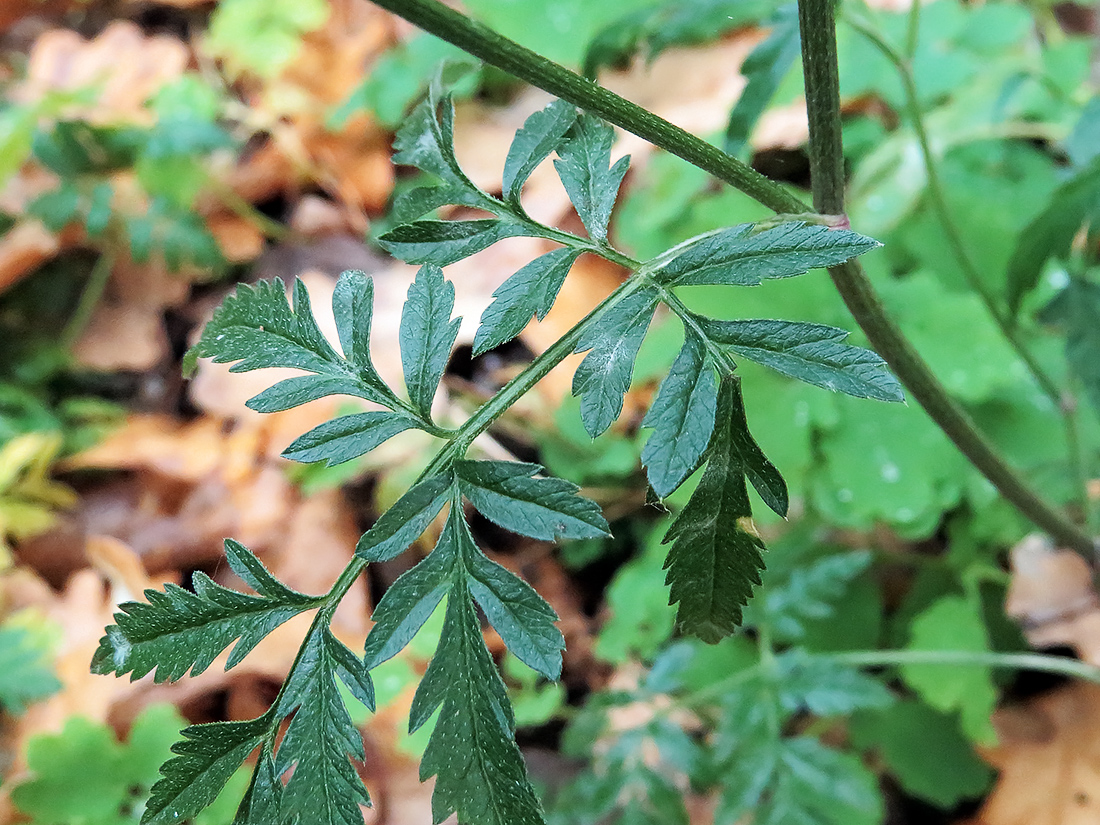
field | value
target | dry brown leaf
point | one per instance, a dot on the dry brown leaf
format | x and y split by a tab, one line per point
1049	759
24	248
123	64
239	240
1052	596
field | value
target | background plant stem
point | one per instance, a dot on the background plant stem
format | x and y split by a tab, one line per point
849	279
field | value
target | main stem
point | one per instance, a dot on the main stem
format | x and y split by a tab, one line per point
849	279
819	59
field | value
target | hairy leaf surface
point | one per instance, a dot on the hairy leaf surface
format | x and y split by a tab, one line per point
584	167
682	418
714	560
427	335
604	375
324	787
543	508
348	436
742	256
444	242
405	520
809	352
541	134
487	783
529	293
177	630
205	759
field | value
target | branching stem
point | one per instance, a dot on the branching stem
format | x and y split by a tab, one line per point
849	279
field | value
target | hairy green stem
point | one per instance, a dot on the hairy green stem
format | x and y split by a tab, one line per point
849	279
983	658
823	108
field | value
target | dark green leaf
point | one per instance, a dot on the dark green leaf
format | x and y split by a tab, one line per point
521	616
76	147
529	293
541	134
205	759
604	375
764	69
177	630
583	168
1051	233
301	389
444	242
427	335
755	465
1076	309
715	560
99	210
809	352
347	437
352	307
486	784
255	575
256	327
414	203
324	786
825	687
1081	144
682	418
411	599
402	523
742	256
426	141
543	508
262	803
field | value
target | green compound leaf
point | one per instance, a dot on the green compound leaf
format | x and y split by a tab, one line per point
348	436
301	389
352	308
410	600
813	783
743	256
324	786
177	630
426	141
714	560
543	508
583	166
682	418
529	293
26	673
262	803
825	687
757	468
205	759
444	242
419	201
427	335
541	134
809	352
257	328
409	516
604	375
484	783
520	615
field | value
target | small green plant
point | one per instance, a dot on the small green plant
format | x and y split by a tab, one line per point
697	418
784	686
